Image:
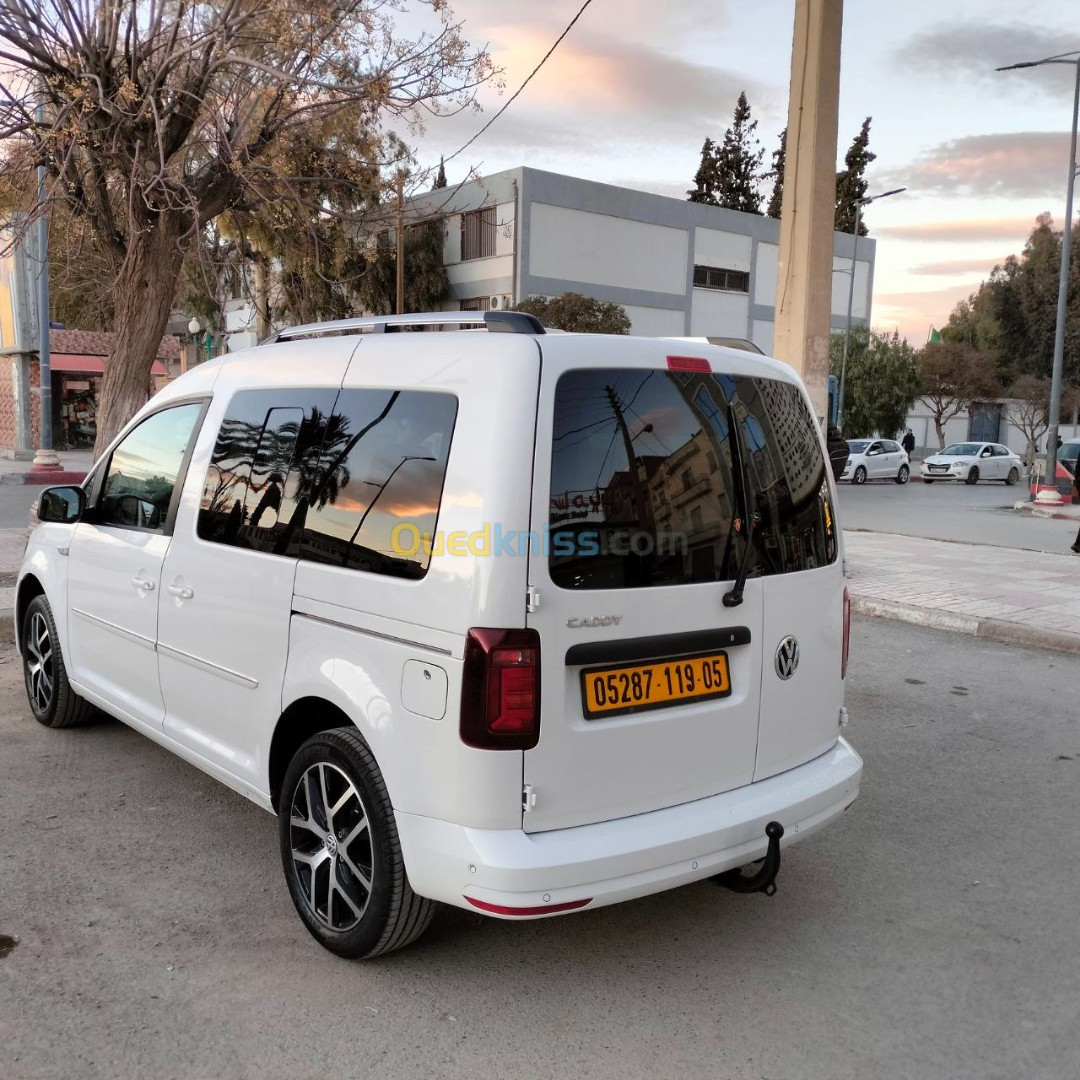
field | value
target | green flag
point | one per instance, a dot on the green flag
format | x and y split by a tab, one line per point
934	338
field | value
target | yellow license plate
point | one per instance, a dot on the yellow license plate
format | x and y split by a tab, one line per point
657	684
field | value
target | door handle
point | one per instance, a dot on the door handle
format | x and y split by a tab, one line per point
181	591
142	583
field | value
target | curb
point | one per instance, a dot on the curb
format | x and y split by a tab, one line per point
44	477
1044	512
999	630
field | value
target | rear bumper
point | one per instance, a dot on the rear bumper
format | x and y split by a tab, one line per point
630	857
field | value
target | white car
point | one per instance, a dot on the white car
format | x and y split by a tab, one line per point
520	623
972	462
876	459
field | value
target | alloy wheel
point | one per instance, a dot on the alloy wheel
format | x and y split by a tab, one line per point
330	841
40	667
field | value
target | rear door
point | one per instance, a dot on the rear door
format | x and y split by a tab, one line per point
650	685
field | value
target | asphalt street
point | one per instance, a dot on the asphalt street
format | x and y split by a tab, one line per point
15	500
981	514
928	934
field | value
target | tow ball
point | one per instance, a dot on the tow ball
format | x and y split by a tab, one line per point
765	878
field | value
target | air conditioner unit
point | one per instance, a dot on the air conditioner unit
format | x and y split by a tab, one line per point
498	303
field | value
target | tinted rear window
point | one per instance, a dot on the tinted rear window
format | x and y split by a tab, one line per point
645	485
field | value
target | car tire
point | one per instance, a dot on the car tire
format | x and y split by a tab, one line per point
903	474
356	842
52	700
859	476
1014	475
972	477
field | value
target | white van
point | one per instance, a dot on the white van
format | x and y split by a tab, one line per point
525	624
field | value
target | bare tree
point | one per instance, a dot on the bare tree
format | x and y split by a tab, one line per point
1029	409
951	376
161	116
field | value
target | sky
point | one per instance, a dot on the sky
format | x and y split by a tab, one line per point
637	85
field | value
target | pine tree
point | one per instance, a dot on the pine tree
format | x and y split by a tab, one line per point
440	176
704	189
738	163
851	182
779	159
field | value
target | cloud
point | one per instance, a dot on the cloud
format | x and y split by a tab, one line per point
954	267
599	93
970	51
1024	164
913	313
1013	229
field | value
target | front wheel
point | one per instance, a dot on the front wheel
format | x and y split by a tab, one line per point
903	474
1014	475
52	700
341	853
972	477
860	476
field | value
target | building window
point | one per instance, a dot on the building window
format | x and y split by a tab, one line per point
687	479
478	233
476	303
713	277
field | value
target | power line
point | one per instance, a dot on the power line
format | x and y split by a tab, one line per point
506	106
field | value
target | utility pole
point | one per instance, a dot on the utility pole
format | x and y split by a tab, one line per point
45	455
804	277
400	241
639	493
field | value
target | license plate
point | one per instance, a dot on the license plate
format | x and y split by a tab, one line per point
627	688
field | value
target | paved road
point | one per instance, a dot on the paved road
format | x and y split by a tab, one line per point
946	511
15	500
929	934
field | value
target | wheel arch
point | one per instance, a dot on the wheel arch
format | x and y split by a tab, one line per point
29	587
303	718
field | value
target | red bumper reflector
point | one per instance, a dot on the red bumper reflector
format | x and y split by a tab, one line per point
688	363
544	909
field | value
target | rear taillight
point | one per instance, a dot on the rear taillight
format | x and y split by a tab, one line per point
500	689
847	634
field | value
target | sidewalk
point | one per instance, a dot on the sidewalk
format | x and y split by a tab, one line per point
74	465
1004	594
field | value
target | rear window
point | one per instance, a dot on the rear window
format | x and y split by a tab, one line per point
646	488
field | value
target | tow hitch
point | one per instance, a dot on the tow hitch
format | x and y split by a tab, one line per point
765	879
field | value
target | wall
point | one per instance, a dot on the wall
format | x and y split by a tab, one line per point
7	405
921	422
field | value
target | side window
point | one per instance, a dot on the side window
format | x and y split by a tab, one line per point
139	482
375	500
265	457
1001	451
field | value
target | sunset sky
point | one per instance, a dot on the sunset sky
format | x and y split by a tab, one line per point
632	92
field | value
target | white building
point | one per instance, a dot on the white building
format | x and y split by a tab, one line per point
678	268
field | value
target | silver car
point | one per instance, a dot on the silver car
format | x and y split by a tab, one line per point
972	462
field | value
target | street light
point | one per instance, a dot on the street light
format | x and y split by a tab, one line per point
382	487
1063	280
851	296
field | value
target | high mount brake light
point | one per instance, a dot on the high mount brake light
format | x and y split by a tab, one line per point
688	363
500	689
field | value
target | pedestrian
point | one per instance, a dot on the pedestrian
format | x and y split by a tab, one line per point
838	450
908	442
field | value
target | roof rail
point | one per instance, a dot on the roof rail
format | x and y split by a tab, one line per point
506	322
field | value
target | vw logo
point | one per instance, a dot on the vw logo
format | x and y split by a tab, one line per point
787	657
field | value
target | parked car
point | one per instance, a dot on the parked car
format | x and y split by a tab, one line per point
520	623
876	459
972	462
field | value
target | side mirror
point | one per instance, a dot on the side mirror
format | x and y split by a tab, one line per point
62	504
986	453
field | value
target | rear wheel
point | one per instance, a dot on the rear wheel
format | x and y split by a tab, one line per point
859	476
903	474
1014	475
972	477
52	700
341	853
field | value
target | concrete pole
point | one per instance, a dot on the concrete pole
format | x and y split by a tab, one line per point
45	455
804	277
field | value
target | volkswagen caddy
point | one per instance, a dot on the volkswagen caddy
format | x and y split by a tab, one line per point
523	623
